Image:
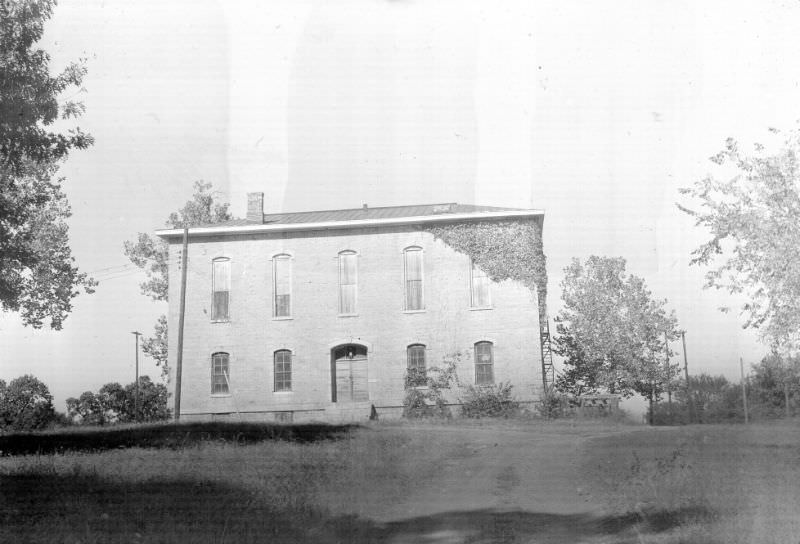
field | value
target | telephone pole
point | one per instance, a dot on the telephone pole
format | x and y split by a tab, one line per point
137	334
686	373
744	390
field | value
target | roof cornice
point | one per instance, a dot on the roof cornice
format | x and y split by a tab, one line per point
349	224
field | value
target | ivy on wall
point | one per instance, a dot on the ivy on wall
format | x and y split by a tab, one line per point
510	249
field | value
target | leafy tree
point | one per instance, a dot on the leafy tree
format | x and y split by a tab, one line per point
753	216
152	255
89	407
114	403
611	332
773	378
38	276
25	404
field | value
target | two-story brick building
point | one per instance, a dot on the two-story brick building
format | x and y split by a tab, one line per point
318	315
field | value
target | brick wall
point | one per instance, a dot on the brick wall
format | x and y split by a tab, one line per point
252	335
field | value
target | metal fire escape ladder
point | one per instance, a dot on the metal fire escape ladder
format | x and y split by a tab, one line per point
548	370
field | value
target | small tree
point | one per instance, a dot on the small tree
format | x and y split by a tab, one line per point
426	392
152	255
611	332
775	381
25	404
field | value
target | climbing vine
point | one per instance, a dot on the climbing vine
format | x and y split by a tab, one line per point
510	249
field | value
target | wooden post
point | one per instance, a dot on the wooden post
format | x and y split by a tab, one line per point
179	362
136	388
669	374
744	390
786	398
686	374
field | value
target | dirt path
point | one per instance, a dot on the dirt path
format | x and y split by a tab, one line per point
501	484
503	469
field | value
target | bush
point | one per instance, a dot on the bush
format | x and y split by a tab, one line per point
25	404
425	390
489	401
554	405
116	404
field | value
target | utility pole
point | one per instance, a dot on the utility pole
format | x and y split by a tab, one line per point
137	334
744	390
179	362
669	374
686	373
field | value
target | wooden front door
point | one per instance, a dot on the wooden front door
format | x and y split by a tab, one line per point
349	374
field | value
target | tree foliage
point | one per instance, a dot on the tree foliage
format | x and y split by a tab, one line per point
611	332
38	276
25	404
152	255
114	403
753	218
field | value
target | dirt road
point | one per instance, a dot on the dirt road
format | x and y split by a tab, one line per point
504	483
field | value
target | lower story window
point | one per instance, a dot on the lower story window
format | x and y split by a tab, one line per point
283	370
484	363
219	374
416	365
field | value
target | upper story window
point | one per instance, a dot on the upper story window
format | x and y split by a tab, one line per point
220	384
221	286
416	365
413	279
348	282
480	288
283	370
484	363
282	286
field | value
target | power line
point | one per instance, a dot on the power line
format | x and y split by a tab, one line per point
110	268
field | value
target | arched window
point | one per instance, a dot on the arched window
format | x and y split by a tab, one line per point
282	286
416	372
283	370
412	257
484	363
221	286
220	376
480	288
348	282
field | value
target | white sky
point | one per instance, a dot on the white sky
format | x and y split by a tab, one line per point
596	112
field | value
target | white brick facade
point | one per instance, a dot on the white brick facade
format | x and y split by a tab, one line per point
252	335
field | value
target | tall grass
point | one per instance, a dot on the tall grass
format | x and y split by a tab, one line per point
725	484
209	491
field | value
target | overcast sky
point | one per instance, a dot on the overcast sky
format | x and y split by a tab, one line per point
595	112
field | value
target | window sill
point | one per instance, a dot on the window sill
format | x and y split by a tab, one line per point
221	320
414	311
480	308
283	392
283	318
348	315
220	395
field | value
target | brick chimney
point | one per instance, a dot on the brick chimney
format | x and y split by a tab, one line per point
255	207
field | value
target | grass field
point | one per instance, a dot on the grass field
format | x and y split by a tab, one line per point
723	483
231	483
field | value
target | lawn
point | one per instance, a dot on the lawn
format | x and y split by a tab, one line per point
722	483
249	483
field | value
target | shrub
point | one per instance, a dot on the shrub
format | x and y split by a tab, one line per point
425	390
25	404
554	405
489	401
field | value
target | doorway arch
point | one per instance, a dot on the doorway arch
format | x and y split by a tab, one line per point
349	372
